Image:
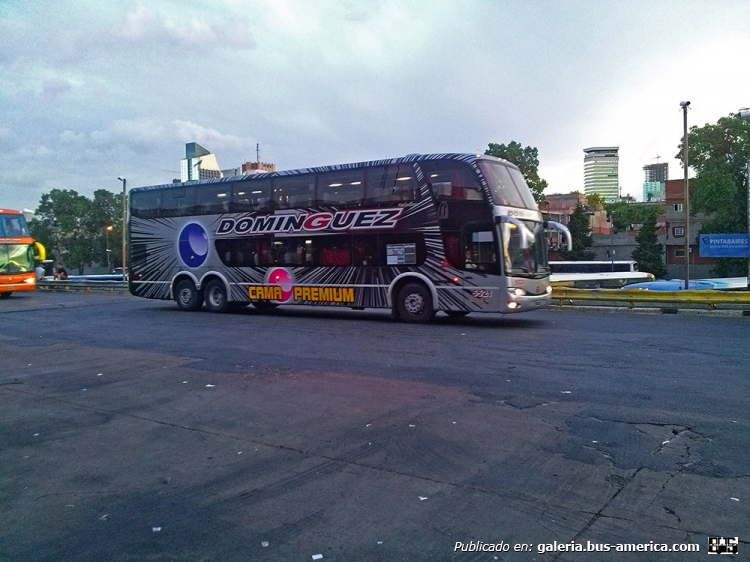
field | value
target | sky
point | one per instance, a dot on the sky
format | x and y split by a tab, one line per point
93	90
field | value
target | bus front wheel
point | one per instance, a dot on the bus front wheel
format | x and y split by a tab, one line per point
187	296
5	295
216	296
415	303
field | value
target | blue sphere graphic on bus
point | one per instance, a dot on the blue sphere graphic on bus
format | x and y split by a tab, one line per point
193	245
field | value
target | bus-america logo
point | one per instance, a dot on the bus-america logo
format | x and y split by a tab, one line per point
353	219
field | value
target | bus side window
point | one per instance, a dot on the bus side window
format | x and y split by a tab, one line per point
251	195
146	204
212	199
396	182
364	250
344	187
294	191
333	250
452	180
175	202
453	248
480	251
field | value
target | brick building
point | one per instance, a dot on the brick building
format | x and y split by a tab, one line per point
674	236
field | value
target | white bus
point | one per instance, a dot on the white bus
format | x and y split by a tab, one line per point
457	233
602	266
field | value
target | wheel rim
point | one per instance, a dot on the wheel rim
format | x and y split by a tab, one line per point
414	303
185	296
216	297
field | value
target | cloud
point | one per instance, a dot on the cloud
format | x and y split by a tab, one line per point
53	88
143	26
212	139
142	136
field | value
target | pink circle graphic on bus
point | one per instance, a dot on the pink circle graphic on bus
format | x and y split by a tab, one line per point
193	245
283	278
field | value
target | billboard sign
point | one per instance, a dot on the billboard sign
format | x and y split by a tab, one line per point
724	246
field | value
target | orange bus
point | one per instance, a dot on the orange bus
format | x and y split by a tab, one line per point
17	254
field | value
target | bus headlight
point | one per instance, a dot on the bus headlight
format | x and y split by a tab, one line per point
512	305
518	292
549	289
30	280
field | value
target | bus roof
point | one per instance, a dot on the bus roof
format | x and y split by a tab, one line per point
463	157
10	212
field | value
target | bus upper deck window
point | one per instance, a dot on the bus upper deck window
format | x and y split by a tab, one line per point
452	180
294	191
396	182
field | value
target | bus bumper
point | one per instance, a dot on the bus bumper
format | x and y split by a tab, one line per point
17	282
525	303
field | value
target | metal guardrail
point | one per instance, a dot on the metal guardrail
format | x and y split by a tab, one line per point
108	286
676	299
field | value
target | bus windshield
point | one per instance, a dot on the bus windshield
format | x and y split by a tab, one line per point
13	225
16	258
524	249
508	187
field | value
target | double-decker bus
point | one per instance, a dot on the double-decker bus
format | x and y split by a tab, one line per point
17	254
457	233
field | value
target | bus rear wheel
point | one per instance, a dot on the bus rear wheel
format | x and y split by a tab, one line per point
187	296
5	295
216	296
415	304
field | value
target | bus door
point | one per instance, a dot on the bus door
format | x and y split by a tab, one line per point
480	267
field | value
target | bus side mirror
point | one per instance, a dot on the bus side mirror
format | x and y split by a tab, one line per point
562	228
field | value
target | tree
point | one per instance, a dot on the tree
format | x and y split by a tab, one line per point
624	214
61	223
527	159
581	234
106	210
595	200
649	252
719	154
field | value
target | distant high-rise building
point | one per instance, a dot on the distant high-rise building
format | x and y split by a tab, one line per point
653	185
656	172
601	172
198	164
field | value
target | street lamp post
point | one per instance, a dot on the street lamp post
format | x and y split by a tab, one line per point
744	113
124	212
684	105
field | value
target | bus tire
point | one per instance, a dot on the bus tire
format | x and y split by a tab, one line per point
415	304
5	295
187	296
215	295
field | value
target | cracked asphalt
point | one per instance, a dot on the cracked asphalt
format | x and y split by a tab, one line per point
132	431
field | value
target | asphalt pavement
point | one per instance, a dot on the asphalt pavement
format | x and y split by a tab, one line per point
130	430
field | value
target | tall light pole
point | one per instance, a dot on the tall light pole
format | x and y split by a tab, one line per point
684	105
107	230
744	113
124	213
